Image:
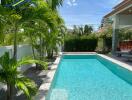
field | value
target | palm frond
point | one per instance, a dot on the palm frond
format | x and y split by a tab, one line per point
55	3
27	60
27	86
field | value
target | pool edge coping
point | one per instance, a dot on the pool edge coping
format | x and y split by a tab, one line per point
120	63
46	85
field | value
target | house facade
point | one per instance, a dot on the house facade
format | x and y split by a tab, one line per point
121	17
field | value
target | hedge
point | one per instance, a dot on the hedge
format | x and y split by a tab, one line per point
80	44
108	42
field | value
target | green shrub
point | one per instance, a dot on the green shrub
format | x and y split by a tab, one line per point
75	43
108	42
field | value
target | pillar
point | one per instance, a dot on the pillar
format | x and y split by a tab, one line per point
115	33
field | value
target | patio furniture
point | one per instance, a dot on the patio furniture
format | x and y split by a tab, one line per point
124	48
120	53
125	54
128	57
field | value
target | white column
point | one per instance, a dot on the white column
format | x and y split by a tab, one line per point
115	35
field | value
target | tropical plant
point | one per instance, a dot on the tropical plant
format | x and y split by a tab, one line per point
13	17
43	25
4	15
55	3
75	30
88	29
14	20
106	36
125	34
80	30
10	75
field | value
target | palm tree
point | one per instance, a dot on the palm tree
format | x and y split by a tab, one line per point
3	21
88	29
55	3
53	40
14	20
41	23
10	75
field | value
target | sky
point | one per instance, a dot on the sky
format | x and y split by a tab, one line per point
81	12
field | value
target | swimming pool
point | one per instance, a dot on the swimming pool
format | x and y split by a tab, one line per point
90	77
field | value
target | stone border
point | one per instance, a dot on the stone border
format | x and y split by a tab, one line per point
79	53
43	89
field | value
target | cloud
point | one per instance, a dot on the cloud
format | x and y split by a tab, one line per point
71	2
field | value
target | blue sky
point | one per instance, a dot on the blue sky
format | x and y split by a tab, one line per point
80	12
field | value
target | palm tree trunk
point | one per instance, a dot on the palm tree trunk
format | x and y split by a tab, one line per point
40	47
32	46
33	52
10	91
15	42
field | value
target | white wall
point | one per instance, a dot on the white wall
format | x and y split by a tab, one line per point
23	51
6	49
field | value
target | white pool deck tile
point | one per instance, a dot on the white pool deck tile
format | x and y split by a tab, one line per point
43	90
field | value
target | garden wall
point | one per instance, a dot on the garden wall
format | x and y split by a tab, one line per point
23	51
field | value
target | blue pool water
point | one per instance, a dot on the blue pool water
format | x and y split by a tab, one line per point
90	77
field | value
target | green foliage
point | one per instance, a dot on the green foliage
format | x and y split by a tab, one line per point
36	21
125	34
88	29
80	30
105	36
108	43
10	75
43	27
105	33
5	2
55	3
84	43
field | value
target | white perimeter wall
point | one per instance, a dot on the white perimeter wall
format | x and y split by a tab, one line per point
23	51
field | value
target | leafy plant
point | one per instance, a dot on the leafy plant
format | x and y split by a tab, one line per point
82	43
10	75
55	3
80	30
43	29
106	36
88	29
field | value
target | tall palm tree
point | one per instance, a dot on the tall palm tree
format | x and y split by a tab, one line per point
40	19
55	3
